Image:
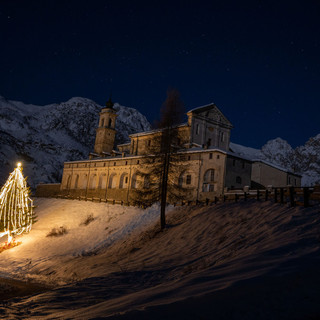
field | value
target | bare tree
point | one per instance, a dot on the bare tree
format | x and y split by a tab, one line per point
163	164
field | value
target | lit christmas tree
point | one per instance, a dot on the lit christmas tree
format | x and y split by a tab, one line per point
16	207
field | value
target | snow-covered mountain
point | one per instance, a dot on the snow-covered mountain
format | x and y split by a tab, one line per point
43	137
304	160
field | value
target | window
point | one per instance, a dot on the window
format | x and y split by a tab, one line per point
114	163
238	180
218	156
149	143
188	180
76	182
197	129
209	176
210	155
234	163
209	143
289	180
138	161
222	136
243	163
180	182
104	164
102	122
189	157
295	182
93	182
110	122
112	181
123	181
134	182
126	162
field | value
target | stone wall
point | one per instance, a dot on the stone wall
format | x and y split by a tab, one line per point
49	190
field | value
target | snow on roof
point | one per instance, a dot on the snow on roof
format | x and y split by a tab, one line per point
237	155
124	144
144	133
276	166
201	107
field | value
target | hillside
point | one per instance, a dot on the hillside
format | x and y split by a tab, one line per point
247	260
43	137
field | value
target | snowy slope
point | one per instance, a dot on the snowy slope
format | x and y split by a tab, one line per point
246	260
43	137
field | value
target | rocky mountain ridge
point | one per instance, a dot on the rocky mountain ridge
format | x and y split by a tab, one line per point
43	137
303	160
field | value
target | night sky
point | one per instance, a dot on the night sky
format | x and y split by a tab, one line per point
258	61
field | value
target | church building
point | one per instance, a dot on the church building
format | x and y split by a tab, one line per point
207	165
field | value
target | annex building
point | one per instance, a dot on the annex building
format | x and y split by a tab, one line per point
207	167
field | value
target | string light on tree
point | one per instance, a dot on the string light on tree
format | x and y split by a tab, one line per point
16	207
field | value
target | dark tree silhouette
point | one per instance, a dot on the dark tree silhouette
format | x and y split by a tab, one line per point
163	164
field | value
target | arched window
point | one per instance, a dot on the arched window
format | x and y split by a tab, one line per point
93	181
209	175
84	181
185	179
134	182
102	181
76	181
68	181
102	122
124	179
112	181
208	181
110	123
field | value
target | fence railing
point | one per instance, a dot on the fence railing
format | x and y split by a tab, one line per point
294	196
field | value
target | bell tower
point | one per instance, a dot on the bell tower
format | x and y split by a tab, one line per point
106	132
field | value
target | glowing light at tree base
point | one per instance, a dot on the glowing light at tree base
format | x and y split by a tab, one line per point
16	207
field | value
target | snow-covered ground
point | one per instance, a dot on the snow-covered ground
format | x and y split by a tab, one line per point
246	260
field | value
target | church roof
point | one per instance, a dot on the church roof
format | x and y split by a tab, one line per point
213	112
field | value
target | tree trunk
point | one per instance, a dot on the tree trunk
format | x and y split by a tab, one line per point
164	191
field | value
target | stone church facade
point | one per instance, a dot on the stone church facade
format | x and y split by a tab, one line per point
207	164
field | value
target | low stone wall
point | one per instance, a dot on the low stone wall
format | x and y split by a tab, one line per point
48	190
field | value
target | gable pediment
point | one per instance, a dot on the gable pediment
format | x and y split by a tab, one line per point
211	112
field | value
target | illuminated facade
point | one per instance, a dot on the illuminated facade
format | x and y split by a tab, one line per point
111	172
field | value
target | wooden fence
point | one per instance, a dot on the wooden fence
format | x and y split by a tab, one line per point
294	196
